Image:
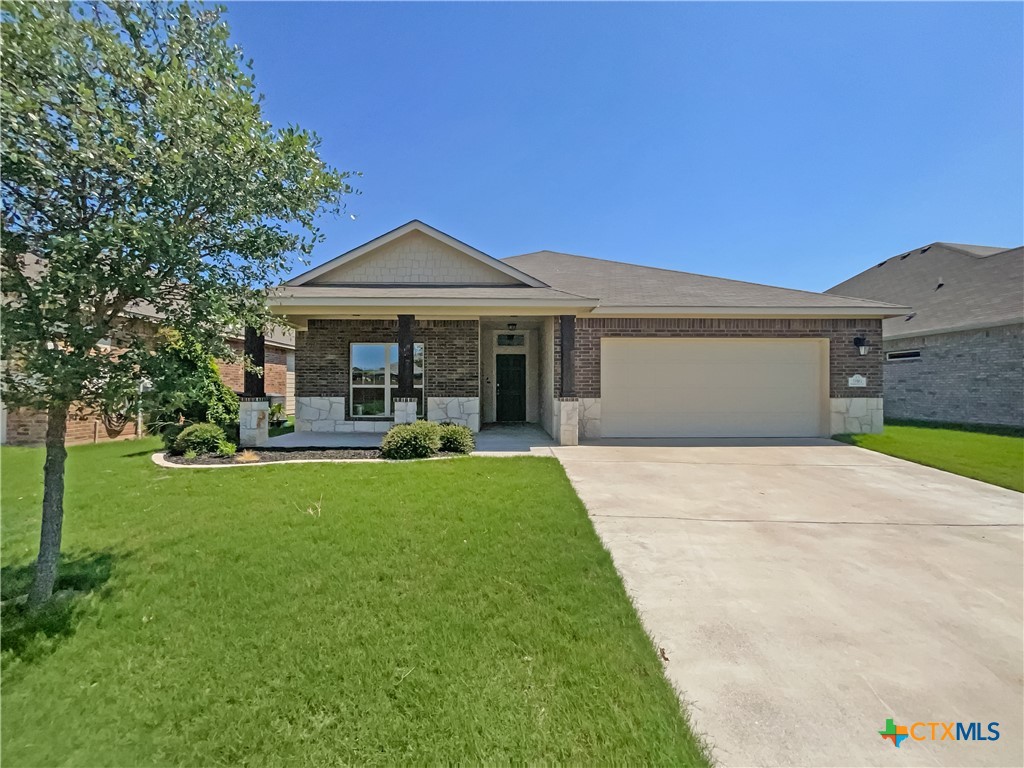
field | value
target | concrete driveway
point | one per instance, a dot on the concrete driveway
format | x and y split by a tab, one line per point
807	590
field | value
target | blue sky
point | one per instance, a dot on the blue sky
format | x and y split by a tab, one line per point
790	144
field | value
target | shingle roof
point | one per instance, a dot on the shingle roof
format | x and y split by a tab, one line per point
980	286
617	284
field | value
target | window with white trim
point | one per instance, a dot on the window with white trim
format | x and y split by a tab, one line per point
905	354
374	379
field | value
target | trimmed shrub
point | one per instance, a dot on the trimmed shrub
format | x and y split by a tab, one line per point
411	441
201	438
226	449
456	438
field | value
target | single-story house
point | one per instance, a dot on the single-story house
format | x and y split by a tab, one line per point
417	324
958	356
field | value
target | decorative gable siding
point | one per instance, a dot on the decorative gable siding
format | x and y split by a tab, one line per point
415	259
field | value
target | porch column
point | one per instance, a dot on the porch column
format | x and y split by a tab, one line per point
567	333
567	416
253	406
404	404
255	351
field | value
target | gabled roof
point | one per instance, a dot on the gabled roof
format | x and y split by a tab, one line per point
415	226
624	288
949	287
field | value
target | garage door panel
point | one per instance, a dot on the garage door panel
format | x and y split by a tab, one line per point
713	387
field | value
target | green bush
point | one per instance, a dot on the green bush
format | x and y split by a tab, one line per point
189	390
201	438
411	441
456	438
226	449
167	432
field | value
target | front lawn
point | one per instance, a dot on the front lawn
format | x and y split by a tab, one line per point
992	457
458	611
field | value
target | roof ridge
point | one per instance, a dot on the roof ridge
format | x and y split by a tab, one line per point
692	274
959	248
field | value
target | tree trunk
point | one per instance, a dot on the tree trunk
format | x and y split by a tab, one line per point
53	506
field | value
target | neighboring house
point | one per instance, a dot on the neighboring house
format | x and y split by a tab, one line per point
958	355
418	324
24	426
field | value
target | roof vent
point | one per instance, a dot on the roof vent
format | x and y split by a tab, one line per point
926	249
904	256
940	284
910	317
880	265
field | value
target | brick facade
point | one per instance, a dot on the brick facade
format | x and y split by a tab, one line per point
275	370
451	355
28	427
844	358
971	377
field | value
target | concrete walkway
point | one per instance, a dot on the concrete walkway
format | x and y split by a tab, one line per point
805	591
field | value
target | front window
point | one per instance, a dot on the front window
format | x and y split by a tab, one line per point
375	378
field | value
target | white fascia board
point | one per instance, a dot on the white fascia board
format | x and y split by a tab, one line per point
952	329
305	303
296	317
417	226
818	312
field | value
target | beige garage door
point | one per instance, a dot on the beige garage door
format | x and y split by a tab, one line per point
713	387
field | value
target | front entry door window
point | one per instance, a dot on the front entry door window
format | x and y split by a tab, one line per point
511	387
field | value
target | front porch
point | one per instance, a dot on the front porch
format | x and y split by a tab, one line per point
356	377
493	440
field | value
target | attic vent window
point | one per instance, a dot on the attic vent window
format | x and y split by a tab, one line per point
908	354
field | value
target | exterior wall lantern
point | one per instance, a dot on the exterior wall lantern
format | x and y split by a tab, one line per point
862	345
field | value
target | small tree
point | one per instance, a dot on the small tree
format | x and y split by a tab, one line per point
188	389
139	177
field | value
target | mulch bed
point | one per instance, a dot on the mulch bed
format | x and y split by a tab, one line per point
268	455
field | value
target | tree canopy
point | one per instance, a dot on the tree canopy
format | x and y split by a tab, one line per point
141	187
139	176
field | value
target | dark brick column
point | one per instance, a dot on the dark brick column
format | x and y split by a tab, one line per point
255	351
567	337
405	356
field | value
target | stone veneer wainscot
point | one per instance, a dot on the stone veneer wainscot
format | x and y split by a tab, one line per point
322	371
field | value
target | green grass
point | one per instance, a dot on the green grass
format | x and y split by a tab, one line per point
447	611
993	455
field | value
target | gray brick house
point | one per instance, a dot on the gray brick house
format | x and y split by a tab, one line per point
416	324
958	355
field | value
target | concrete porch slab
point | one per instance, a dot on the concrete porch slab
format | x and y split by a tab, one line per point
513	440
